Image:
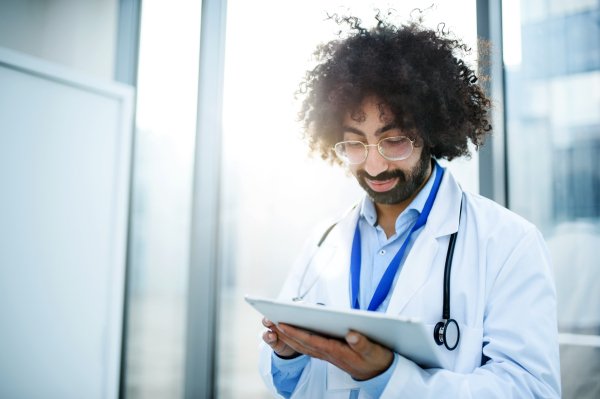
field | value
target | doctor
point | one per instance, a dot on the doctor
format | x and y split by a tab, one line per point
388	102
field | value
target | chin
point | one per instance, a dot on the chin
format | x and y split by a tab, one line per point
397	194
408	182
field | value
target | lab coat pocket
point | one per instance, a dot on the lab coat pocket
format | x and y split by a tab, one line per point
471	350
339	380
467	355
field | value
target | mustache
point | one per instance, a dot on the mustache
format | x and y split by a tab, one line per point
383	176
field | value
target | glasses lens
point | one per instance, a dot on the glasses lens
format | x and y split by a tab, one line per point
352	152
395	148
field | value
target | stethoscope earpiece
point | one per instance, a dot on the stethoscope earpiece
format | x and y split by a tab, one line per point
447	332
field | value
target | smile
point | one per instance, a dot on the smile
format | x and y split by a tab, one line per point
381	186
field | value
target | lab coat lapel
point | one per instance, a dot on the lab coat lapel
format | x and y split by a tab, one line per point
445	213
414	272
442	220
337	274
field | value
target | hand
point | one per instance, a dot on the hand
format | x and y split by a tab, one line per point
358	356
272	339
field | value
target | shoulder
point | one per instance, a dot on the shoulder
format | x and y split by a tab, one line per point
322	229
493	219
498	232
508	244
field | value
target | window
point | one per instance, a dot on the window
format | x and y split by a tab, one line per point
552	75
161	199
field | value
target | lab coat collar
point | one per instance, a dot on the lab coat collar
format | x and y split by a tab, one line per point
443	220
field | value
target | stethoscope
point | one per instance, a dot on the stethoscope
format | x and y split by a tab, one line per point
446	332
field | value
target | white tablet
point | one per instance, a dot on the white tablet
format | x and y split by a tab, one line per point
405	336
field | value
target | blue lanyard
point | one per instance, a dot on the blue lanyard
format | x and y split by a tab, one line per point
388	277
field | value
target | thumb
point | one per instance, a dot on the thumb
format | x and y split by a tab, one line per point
358	342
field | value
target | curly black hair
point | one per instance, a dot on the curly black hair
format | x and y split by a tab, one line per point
413	70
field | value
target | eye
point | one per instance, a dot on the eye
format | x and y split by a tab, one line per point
354	144
396	141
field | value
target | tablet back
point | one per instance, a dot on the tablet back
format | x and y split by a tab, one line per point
405	336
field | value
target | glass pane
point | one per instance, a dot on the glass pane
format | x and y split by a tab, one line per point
553	115
161	198
273	195
580	369
552	60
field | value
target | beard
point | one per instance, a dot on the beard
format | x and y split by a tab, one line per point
408	182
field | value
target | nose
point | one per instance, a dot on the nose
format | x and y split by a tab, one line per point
375	162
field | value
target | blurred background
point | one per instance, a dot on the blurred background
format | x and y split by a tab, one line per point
152	173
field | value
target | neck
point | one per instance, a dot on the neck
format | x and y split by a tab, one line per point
388	214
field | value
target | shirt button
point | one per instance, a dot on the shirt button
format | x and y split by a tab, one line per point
382	252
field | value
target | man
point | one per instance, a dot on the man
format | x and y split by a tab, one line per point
387	102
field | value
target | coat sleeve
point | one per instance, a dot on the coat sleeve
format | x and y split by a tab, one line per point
520	338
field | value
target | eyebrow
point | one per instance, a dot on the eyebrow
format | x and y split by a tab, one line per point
378	132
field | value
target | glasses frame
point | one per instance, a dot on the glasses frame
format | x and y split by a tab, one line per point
378	145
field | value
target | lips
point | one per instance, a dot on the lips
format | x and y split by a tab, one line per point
381	186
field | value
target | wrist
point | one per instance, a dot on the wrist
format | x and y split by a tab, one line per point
374	373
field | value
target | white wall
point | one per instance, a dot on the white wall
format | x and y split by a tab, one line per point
64	174
80	34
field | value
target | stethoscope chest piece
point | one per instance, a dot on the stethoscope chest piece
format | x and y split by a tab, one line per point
447	332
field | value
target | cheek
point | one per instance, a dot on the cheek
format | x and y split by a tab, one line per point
410	162
416	153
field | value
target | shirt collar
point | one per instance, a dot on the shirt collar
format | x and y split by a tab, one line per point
369	213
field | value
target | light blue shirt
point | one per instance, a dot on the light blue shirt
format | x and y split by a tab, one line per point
377	252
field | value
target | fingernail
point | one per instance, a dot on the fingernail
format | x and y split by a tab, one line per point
352	339
267	320
281	328
271	336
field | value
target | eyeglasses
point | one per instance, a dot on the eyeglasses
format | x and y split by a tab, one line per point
391	148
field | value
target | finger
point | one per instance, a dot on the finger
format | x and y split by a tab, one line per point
330	350
267	323
284	338
280	334
270	338
275	329
329	347
297	346
359	343
304	350
299	336
339	362
290	342
370	353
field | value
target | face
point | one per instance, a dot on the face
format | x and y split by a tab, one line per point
386	182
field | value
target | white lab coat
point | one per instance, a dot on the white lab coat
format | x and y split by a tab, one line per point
502	296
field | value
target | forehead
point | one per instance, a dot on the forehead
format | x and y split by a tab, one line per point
372	112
